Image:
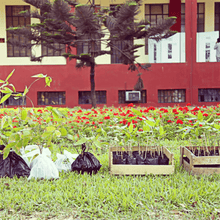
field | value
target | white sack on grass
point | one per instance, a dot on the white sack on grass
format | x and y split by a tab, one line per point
43	167
65	160
34	151
27	148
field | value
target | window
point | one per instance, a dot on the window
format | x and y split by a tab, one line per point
121	96
116	54
209	95
51	98
85	97
14	101
85	46
47	51
217	16
171	96
155	14
200	17
14	19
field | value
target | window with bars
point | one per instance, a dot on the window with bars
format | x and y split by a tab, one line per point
155	14
49	51
121	96
51	98
217	16
209	95
116	50
171	96
86	46
200	17
15	101
14	19
85	97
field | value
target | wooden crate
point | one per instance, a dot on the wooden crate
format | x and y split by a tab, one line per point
127	169
196	165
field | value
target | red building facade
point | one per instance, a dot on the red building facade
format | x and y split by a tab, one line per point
188	77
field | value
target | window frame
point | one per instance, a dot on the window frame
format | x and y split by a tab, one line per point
168	94
164	15
205	90
99	100
17	51
50	102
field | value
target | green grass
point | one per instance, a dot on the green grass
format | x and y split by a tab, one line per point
101	196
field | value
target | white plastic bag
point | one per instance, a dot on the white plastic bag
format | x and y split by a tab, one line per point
43	167
65	160
34	151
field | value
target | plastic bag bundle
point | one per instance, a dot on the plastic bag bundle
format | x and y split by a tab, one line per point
34	150
43	167
86	162
13	165
64	161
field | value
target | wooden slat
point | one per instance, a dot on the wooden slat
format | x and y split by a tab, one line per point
205	171
169	155
188	153
186	166
141	169
206	160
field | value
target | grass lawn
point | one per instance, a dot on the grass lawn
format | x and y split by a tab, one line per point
101	196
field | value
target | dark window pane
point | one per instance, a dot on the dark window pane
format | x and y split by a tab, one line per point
171	96
85	97
209	95
14	101
51	98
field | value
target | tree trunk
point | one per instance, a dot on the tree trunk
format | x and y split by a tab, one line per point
92	82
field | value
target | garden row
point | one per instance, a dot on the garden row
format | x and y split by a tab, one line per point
119	130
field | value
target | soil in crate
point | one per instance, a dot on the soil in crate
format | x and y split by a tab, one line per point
203	153
143	158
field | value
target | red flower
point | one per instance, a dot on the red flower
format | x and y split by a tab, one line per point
39	110
79	111
100	122
195	109
200	125
131	105
179	121
87	122
140	129
206	115
169	121
14	120
188	104
131	115
93	122
217	113
14	127
115	113
107	117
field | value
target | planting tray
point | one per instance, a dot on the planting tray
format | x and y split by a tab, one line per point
196	165
127	169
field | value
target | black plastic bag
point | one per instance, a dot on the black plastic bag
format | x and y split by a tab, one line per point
138	157
163	160
117	159
13	165
128	159
86	162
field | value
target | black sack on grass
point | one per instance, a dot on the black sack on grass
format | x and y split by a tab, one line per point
86	162
13	165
